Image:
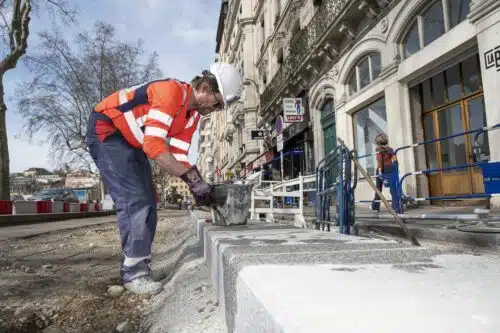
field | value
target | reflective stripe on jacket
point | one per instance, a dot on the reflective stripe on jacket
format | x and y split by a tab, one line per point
150	114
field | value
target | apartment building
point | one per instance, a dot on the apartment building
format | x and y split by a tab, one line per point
416	70
180	186
225	144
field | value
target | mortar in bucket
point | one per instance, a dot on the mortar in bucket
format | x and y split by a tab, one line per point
231	204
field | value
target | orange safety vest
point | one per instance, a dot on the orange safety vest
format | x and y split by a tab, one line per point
150	114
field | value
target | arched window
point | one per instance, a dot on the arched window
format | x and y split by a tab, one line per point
433	22
365	71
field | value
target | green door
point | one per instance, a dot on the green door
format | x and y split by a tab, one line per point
328	125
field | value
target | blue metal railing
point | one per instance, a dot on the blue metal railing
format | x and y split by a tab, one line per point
335	184
401	198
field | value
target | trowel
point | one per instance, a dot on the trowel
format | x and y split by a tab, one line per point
230	204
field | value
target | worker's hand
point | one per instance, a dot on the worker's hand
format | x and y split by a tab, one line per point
200	189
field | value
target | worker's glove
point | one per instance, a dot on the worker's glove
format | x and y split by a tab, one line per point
200	189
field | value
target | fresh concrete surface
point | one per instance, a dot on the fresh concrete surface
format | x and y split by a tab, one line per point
276	278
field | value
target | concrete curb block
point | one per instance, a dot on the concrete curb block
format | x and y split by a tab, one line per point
12	220
277	278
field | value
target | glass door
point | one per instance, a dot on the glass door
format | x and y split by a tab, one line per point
476	118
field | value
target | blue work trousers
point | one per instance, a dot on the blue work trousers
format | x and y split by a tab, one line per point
390	177
126	173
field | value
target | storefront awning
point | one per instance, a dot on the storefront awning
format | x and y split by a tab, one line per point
260	161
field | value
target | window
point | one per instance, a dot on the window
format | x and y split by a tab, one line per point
279	57
367	70
368	123
451	85
433	22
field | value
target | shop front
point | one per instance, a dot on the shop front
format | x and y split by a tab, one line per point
452	102
297	151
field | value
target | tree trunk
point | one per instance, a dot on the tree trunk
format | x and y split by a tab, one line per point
4	149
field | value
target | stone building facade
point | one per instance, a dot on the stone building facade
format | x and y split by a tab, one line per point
416	70
225	136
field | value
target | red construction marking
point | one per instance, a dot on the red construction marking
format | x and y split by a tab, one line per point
6	207
84	207
44	207
66	208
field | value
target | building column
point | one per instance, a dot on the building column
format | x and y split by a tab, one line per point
485	14
399	130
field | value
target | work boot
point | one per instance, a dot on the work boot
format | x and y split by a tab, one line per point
143	285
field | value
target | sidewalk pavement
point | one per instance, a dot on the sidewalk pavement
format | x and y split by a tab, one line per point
463	227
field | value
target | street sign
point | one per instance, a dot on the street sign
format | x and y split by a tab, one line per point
278	124
279	142
293	110
258	134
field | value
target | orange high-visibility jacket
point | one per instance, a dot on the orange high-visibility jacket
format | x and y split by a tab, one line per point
150	114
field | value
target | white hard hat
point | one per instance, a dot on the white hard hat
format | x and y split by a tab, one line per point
229	81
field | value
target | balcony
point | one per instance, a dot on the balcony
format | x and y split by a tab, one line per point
315	48
228	131
238	114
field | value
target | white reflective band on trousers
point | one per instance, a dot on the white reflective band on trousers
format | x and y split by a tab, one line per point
134	261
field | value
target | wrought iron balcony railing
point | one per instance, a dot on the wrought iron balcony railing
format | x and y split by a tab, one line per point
303	44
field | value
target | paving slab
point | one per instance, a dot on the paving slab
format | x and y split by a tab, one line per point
449	293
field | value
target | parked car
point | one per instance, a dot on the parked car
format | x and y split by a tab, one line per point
16	197
55	194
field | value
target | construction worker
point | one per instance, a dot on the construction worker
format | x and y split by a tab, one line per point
154	120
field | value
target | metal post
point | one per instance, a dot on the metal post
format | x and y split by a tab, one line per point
281	166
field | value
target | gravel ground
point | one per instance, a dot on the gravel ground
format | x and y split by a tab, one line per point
187	305
59	282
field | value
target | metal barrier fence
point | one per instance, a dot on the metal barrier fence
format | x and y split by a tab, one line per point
490	170
335	184
266	193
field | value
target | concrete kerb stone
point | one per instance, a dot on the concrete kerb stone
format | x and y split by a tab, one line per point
230	249
214	241
233	267
419	296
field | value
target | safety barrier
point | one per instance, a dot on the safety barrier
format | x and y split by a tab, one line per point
335	184
8	207
273	194
490	170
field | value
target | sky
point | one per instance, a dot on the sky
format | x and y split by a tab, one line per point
181	32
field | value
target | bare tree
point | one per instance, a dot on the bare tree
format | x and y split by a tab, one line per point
70	80
15	18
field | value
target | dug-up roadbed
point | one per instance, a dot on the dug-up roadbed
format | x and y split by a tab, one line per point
60	282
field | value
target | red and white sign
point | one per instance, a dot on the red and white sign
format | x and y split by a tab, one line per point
293	110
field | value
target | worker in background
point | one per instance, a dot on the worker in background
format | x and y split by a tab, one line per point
386	173
154	120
